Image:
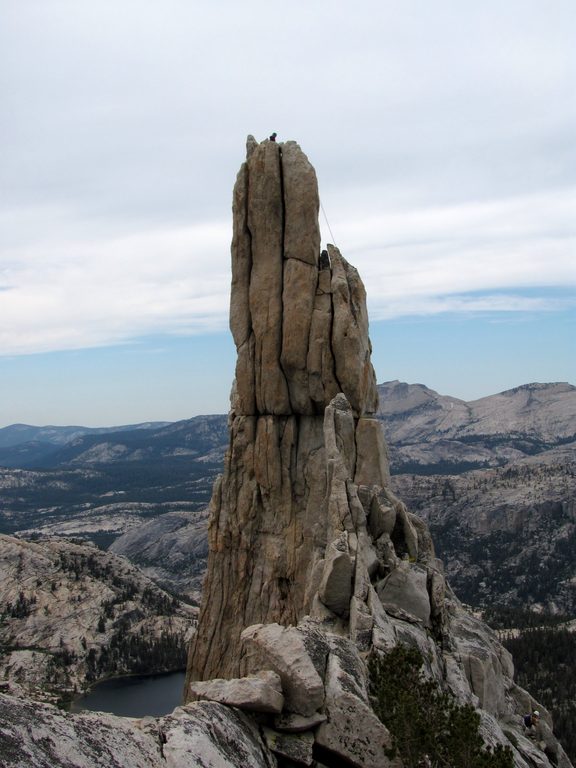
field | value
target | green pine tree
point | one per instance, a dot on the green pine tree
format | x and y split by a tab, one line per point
427	723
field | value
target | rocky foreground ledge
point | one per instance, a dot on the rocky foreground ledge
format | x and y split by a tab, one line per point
307	706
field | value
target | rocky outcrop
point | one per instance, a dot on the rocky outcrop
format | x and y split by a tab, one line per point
263	720
303	522
34	735
171	549
260	693
428	432
491	527
300	325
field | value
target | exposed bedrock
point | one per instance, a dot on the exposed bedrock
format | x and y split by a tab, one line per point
313	562
299	321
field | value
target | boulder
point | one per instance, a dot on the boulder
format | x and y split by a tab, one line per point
293	723
335	589
371	464
211	735
283	650
294	746
352	731
404	592
260	693
382	517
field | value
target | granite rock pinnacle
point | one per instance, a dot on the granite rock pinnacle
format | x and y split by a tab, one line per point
302	425
314	564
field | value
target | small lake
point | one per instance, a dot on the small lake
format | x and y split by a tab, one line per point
134	696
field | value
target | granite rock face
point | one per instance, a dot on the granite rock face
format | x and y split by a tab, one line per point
299	321
314	563
65	605
35	735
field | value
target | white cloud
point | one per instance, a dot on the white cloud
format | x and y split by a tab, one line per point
470	258
490	303
502	245
441	133
78	294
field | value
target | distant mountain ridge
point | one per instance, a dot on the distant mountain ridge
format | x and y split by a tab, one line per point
17	434
76	446
427	433
545	411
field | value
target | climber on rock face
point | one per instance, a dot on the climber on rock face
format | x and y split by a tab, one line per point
538	731
531	722
532	727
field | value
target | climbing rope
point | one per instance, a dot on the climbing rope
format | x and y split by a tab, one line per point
328	224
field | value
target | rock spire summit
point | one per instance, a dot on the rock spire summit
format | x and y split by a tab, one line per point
299	322
303	434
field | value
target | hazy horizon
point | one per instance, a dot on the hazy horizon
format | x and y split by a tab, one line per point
224	412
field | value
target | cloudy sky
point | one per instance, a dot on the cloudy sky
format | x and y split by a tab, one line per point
442	134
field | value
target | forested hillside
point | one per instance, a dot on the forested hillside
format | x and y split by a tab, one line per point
544	649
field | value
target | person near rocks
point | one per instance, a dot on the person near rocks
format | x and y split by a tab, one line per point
533	729
536	730
531	723
273	136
